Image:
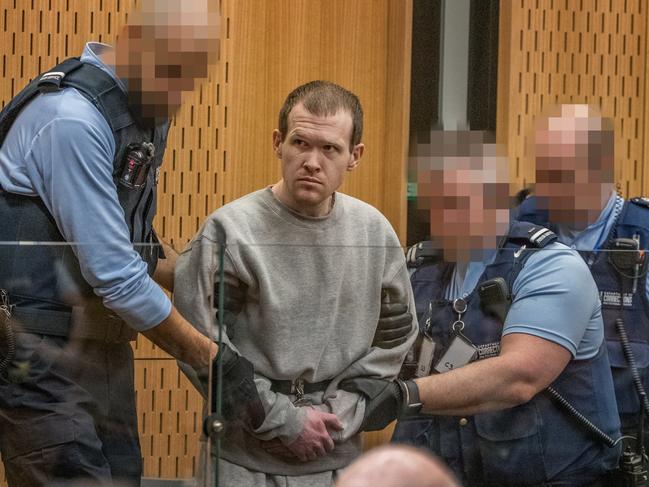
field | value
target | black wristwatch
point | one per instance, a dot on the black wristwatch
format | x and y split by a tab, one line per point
410	404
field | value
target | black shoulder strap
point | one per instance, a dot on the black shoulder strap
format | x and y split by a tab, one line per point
93	83
51	80
644	202
103	92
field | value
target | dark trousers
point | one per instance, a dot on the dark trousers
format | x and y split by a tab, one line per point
67	412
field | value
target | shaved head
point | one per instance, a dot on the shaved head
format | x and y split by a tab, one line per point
396	466
574	154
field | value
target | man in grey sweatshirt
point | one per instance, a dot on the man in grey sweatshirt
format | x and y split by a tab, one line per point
313	267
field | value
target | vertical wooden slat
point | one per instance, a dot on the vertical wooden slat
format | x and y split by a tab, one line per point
592	52
267	48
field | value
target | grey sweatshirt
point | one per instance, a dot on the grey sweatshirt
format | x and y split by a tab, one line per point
314	289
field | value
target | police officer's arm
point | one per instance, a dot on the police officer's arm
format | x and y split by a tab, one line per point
182	341
70	165
556	302
526	365
376	362
164	271
82	198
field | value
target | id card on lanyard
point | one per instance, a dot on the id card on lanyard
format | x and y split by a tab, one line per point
460	350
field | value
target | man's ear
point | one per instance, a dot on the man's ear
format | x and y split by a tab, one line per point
277	143
355	157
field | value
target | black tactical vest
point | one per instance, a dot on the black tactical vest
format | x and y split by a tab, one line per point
619	300
534	443
48	293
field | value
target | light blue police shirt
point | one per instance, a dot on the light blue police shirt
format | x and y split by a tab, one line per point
555	298
595	235
61	149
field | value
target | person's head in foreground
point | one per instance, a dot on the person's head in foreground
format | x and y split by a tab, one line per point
462	185
574	153
396	466
318	140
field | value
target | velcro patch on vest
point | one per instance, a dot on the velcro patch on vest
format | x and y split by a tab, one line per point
612	298
54	76
540	236
488	350
51	81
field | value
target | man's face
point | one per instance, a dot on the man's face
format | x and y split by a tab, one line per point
315	155
569	183
161	59
469	207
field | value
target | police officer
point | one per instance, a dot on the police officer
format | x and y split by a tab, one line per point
575	196
512	339
80	152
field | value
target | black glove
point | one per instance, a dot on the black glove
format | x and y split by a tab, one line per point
385	400
234	299
394	326
240	398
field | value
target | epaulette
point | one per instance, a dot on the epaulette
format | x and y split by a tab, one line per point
640	201
525	233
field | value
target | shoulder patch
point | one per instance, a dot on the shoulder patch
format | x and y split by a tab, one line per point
541	236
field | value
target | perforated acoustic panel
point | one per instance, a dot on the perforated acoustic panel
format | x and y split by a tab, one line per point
575	51
34	36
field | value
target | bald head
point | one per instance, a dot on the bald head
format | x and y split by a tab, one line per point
164	49
396	466
574	163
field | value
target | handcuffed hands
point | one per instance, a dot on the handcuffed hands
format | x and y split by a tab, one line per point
313	441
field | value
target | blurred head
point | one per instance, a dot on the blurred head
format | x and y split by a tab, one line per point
396	466
574	152
463	185
318	142
165	47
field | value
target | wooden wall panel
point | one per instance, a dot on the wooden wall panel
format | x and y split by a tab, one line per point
569	51
35	35
363	45
220	142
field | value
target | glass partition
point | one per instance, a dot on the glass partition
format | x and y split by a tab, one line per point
540	355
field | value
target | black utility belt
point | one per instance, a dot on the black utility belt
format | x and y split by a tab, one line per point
78	323
297	387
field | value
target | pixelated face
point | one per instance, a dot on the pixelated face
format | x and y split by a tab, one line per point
315	155
572	177
467	198
166	52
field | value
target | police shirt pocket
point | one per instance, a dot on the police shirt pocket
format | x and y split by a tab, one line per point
510	446
625	393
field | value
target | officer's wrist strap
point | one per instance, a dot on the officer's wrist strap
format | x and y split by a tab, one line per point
411	403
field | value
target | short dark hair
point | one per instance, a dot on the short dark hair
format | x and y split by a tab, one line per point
324	99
